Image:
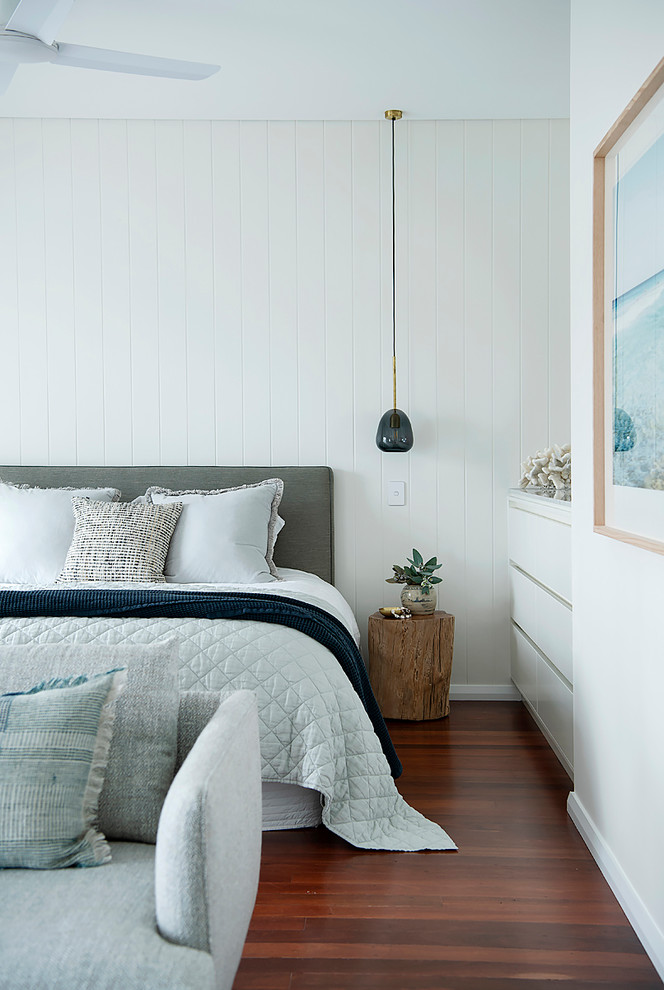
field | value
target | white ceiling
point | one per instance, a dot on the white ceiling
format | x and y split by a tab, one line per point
309	60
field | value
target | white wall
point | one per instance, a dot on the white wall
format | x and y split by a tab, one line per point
220	293
617	589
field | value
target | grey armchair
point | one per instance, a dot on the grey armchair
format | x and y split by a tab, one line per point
168	916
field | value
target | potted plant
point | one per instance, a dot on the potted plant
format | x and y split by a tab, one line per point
418	578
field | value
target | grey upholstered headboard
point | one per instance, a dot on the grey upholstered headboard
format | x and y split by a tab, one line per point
306	542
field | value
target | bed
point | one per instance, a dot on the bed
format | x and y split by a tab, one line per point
292	639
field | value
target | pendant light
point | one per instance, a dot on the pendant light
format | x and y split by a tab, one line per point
394	430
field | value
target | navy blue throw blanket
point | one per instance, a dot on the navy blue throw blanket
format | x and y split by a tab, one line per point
169	603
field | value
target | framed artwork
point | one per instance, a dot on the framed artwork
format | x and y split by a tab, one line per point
628	318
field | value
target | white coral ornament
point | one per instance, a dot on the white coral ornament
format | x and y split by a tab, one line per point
550	468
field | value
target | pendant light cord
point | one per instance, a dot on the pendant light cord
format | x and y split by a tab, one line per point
394	320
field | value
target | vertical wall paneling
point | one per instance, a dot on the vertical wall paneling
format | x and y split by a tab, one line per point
339	365
31	281
534	285
506	248
558	296
284	359
220	292
229	349
88	302
10	378
422	339
255	292
116	290
144	292
366	202
479	394
311	326
58	248
450	393
199	290
172	300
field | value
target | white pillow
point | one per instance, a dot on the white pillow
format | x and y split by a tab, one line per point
223	537
36	529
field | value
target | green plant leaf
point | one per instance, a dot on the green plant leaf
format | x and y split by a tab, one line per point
435	580
431	563
417	557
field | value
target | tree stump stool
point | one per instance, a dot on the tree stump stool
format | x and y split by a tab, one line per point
410	664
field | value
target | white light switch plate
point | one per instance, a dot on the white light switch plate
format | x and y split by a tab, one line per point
396	493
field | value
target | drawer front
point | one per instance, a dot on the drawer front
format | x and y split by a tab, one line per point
523	539
543	548
523	602
554	632
554	707
524	666
545	619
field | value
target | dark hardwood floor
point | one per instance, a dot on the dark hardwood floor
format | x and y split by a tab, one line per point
520	905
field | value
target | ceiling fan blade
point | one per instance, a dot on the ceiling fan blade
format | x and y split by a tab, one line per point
39	18
7	70
142	65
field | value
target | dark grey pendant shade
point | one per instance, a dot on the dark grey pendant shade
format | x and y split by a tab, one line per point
394	432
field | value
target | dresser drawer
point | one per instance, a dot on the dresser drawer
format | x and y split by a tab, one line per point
543	548
545	619
555	708
524	666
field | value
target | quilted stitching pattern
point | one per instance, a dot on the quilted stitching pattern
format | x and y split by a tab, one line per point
314	730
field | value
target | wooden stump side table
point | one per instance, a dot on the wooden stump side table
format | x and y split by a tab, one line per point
410	664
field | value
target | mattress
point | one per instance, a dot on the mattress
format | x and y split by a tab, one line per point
315	731
290	806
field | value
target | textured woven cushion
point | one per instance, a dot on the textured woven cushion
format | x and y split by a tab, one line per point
36	527
54	744
224	536
141	763
121	541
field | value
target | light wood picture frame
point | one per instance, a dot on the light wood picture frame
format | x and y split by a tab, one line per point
628	322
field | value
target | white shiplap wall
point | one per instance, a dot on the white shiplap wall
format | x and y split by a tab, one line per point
196	292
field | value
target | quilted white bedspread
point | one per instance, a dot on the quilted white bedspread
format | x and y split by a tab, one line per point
314	729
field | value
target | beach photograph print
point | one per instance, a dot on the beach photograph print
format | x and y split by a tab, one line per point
638	318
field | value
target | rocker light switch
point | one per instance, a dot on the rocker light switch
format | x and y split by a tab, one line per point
396	493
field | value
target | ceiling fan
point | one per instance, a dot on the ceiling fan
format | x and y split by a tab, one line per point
29	33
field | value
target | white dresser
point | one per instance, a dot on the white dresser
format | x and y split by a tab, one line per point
541	611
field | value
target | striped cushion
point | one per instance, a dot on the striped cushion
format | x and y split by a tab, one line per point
54	743
119	541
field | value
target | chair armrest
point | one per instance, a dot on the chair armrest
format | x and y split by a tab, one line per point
209	839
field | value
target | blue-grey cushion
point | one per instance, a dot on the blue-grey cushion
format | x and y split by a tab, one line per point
142	757
92	930
54	745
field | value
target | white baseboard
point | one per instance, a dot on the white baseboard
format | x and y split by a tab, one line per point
484	692
650	935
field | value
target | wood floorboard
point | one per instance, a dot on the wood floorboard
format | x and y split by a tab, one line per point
521	905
